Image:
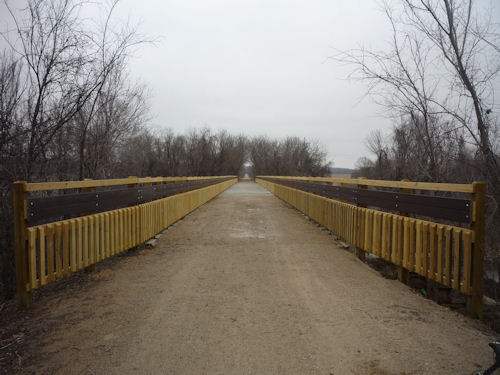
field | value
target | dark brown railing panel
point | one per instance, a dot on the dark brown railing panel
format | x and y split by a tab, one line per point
453	209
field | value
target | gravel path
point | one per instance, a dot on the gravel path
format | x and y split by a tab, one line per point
245	285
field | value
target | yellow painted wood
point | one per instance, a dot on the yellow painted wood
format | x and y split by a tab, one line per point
447	258
368	230
19	195
440	251
411	249
85	239
49	235
386	236
107	235
460	188
394	242
376	232
91	230
425	249
97	238
432	251
79	243
33	279
58	250
418	247
42	254
475	302
66	247
467	265
456	259
406	241
74	241
40	186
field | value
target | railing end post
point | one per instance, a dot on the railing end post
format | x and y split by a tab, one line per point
19	196
475	300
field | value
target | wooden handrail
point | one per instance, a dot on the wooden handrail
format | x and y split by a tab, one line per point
40	186
435	186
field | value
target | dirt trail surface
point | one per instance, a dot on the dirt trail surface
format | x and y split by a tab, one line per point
246	285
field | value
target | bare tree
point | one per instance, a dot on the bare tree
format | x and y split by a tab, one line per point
437	75
62	83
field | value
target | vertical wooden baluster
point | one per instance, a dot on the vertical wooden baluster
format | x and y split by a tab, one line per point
447	257
456	258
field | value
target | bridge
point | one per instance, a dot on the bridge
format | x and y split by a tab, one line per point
248	278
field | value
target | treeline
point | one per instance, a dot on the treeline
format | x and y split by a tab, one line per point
204	152
68	111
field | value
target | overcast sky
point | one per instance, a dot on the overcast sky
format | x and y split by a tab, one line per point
261	67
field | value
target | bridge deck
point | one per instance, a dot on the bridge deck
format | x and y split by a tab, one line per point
245	285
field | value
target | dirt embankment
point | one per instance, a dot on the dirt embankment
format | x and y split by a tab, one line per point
245	285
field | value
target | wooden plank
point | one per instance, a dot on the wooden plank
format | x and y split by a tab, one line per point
107	235
125	228
440	251
475	302
425	249
129	228
411	249
58	248
385	235
97	233
79	243
376	233
394	247
467	264
66	228
406	241
91	230
102	240
42	254
39	186
418	247
97	238
112	234
133	226
85	239
49	235
447	257
120	230
432	251
32	267
461	188
456	259
368	230
19	196
74	241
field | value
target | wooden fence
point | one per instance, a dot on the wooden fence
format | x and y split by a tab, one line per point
58	234
442	241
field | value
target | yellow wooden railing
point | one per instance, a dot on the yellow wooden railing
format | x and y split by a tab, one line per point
450	255
47	252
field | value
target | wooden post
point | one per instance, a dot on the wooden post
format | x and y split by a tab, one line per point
403	273
361	254
475	301
20	213
91	267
